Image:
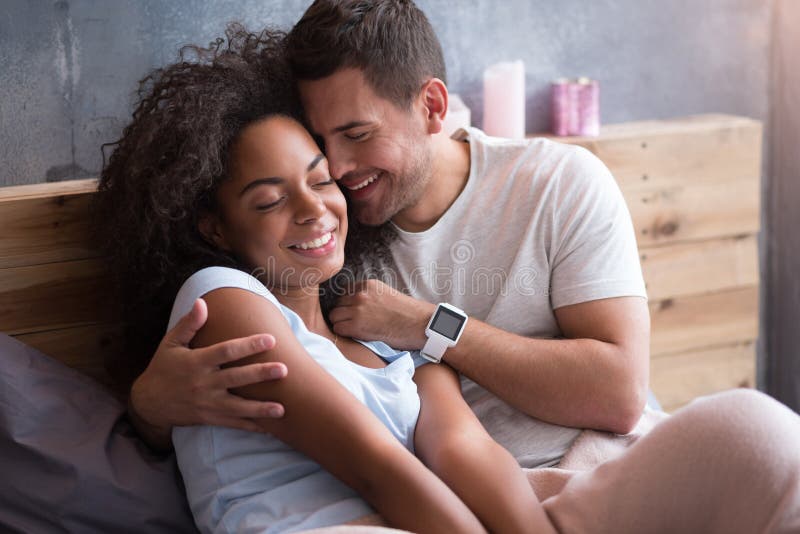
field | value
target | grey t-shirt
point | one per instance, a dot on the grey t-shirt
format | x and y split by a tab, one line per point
539	225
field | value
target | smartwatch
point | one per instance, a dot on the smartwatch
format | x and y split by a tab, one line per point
444	329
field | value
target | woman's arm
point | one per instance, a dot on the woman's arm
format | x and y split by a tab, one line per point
324	421
183	386
454	444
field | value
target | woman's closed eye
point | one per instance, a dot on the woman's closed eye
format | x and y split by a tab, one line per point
270	205
320	185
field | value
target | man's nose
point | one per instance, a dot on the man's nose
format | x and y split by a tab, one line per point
340	160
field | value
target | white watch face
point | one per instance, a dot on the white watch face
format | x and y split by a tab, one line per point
447	323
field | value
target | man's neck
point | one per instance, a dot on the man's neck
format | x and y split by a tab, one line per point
450	172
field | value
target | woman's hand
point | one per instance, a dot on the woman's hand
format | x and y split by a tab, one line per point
183	386
378	312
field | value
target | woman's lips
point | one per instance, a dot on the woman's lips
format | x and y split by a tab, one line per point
316	252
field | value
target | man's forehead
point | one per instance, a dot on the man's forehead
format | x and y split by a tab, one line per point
336	101
342	84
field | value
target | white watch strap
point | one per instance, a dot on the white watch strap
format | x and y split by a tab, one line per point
434	348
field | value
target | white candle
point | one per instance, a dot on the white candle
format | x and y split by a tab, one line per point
504	100
458	115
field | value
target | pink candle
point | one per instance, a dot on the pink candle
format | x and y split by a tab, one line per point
563	109
504	100
576	107
588	107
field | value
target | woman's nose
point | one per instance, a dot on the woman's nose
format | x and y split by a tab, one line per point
310	207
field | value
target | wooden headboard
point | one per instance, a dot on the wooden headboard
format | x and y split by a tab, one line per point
54	286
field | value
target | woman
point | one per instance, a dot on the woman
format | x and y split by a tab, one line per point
216	179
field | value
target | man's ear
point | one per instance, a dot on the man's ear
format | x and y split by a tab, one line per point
209	226
434	99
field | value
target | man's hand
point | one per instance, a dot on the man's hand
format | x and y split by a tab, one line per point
183	386
378	312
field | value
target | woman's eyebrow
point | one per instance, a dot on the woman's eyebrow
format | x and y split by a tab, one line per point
314	162
274	180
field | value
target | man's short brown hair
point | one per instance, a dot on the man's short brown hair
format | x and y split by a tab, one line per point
391	41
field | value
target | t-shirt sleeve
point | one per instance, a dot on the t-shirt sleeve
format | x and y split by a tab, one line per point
209	279
594	253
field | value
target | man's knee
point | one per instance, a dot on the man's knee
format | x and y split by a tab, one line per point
755	423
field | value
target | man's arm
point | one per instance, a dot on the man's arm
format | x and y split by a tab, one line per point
596	378
183	386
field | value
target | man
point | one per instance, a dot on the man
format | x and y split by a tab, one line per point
558	331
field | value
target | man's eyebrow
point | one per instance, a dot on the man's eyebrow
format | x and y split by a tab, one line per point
314	162
274	180
351	124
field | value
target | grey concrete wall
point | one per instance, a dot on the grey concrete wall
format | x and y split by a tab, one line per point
68	67
782	257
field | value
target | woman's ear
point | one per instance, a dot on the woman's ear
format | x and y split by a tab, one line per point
209	226
435	100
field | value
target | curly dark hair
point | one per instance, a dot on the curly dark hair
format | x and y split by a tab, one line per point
167	166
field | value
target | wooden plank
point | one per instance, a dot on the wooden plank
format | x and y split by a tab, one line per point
701	267
703	148
85	348
678	378
694	322
693	212
55	295
48	189
44	230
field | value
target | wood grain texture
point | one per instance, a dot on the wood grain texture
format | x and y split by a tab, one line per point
45	223
702	148
701	267
678	378
48	190
51	296
45	230
691	212
698	321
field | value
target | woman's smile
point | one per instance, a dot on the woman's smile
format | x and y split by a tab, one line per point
316	247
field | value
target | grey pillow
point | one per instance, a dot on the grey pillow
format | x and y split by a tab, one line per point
69	459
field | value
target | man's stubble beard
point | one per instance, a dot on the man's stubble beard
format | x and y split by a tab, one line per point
405	191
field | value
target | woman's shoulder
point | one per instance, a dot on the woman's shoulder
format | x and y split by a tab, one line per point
210	278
